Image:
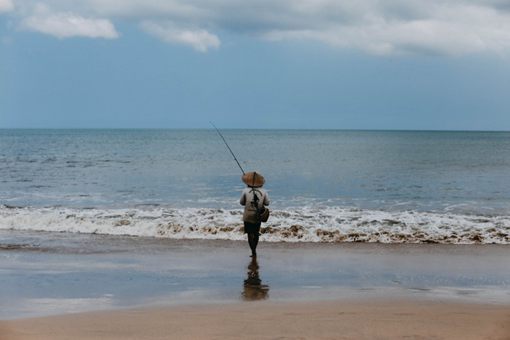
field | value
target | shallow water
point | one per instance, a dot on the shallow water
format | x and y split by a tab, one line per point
61	273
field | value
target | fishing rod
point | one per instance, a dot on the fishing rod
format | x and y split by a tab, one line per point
229	149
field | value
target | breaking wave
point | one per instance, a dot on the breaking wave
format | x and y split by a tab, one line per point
321	224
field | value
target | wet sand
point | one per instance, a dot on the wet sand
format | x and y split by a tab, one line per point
67	286
379	319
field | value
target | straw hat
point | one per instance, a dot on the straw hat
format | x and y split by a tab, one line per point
253	179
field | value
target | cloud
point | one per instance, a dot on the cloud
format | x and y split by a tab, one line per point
149	9
452	30
199	39
447	27
6	6
66	25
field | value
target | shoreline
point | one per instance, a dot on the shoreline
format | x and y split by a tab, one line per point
70	273
339	319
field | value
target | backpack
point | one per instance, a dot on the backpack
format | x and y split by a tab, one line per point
262	213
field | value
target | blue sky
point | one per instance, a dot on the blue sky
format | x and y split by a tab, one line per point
264	64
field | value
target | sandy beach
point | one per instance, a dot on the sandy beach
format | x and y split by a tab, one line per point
383	319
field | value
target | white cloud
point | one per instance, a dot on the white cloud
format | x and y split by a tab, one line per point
451	27
199	39
66	25
149	8
447	29
6	6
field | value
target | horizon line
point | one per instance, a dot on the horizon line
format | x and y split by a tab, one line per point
242	128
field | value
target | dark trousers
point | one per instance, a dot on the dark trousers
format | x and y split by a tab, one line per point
253	230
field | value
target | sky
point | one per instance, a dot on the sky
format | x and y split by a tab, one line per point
365	64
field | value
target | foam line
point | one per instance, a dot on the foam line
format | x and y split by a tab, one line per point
324	224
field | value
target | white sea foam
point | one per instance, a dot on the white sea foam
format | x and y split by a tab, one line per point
319	224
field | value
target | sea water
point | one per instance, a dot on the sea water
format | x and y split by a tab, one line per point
325	185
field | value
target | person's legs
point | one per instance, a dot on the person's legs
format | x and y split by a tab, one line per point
253	239
253	230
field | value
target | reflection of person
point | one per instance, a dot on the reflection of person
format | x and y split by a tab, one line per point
254	198
253	287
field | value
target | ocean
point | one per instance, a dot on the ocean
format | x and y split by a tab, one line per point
325	185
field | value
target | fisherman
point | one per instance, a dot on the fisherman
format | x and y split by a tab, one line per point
254	199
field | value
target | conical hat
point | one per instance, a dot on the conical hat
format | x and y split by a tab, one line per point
253	179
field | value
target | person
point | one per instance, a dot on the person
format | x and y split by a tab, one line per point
254	198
